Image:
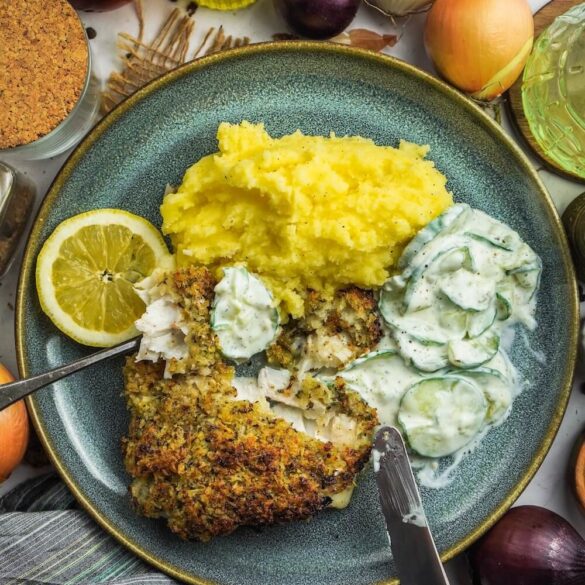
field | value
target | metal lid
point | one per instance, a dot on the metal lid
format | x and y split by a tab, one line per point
17	194
7	180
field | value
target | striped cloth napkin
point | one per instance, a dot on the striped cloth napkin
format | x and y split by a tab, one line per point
45	539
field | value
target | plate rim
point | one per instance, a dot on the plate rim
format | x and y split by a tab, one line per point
28	267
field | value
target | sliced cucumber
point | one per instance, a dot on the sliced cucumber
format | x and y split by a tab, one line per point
452	318
479	322
425	356
497	390
459	323
503	306
420	290
390	301
468	291
453	260
494	233
490	241
440	415
381	378
429	232
471	353
421	326
419	294
528	276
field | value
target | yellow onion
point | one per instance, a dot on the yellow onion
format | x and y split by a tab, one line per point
480	46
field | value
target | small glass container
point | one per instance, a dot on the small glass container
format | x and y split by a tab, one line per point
49	98
17	195
553	91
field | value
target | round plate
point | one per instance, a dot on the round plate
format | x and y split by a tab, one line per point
147	143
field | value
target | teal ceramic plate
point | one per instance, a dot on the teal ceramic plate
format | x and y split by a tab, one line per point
147	143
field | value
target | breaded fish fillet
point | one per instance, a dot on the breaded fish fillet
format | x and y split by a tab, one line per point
333	332
183	298
208	462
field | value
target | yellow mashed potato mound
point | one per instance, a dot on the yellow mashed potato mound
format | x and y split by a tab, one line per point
303	212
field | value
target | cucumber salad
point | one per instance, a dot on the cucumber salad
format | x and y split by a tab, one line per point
443	377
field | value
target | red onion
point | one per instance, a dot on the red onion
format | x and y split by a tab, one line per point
530	546
317	19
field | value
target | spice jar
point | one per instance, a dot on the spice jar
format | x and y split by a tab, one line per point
48	96
17	195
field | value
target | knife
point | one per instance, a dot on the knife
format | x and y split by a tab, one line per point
413	548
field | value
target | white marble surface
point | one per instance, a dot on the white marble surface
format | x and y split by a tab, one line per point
549	487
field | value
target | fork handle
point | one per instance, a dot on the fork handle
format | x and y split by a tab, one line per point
14	391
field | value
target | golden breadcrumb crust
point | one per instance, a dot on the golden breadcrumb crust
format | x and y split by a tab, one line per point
209	463
350	316
192	290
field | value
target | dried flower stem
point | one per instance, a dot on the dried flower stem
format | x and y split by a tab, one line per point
143	62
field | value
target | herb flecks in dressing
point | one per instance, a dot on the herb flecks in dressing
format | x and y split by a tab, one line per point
244	317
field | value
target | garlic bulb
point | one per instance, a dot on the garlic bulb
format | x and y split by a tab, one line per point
398	7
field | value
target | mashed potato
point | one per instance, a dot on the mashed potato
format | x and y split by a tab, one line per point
303	211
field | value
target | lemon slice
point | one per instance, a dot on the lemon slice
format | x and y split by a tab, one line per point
225	4
86	271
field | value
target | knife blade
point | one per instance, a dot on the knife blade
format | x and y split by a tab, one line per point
413	548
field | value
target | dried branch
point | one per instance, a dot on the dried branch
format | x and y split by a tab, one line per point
143	62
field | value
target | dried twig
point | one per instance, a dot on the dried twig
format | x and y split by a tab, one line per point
140	15
143	62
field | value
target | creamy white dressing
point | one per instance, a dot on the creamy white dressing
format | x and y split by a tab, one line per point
460	291
416	517
244	315
539	356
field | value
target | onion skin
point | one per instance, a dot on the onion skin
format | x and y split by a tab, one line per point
317	19
399	8
482	46
530	546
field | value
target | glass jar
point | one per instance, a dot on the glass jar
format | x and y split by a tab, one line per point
50	96
553	91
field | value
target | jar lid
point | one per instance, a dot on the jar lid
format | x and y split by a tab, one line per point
43	67
17	194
